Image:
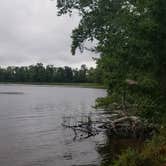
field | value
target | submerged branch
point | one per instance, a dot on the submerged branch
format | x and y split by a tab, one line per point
116	123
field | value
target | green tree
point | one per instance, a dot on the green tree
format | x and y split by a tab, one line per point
131	40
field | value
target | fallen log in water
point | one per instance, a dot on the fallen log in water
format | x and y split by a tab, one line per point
116	124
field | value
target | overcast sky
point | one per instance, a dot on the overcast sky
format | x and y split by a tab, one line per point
31	32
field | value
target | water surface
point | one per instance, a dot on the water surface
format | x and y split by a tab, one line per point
31	133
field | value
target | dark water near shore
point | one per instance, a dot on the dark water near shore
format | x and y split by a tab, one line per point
30	126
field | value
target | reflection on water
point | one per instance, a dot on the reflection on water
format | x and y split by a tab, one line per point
30	126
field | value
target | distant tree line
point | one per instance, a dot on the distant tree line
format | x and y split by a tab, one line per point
50	73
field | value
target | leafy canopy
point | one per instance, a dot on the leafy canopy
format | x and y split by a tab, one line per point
131	40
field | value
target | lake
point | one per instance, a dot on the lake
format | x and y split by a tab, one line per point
31	133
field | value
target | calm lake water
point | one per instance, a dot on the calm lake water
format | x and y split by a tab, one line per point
31	133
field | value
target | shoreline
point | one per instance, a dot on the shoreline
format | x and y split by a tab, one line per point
81	85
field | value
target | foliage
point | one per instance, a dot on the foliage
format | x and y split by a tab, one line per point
131	40
153	153
129	157
50	74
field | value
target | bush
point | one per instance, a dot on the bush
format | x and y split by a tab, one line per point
152	154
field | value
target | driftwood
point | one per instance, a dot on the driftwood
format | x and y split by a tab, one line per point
116	123
83	125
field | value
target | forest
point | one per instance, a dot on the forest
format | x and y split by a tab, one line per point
130	36
49	74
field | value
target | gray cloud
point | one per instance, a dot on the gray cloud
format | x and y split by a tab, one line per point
31	32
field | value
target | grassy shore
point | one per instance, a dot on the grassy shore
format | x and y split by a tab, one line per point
82	85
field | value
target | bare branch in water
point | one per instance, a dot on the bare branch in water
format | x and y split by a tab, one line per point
116	123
